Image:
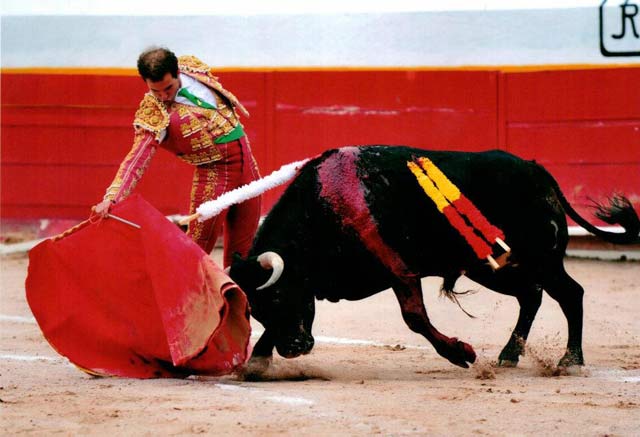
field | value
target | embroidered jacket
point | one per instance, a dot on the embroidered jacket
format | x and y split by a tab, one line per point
187	131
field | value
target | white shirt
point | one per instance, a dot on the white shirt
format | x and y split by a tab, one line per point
196	88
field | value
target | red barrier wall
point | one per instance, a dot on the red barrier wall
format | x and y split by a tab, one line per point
63	135
584	126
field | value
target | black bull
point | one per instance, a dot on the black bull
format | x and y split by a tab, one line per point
355	221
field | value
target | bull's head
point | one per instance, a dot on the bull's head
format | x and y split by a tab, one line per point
276	302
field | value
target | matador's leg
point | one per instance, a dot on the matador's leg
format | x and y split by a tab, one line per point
209	181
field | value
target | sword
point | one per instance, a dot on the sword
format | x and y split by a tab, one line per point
127	222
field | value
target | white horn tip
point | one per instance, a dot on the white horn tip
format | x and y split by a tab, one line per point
271	260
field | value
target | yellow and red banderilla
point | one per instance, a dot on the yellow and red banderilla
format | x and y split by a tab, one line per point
453	204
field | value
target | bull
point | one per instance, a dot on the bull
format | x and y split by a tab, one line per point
354	222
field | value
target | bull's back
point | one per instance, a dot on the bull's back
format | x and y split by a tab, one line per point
513	194
356	218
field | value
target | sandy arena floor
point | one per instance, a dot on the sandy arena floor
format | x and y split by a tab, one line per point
368	374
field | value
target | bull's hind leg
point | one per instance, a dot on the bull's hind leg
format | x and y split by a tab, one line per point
529	301
564	289
409	294
514	282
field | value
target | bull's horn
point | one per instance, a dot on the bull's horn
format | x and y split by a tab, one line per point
271	260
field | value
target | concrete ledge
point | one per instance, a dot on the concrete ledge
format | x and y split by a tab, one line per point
577	231
605	255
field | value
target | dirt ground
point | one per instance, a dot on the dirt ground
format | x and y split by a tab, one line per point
368	374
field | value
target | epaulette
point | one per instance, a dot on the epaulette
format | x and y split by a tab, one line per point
192	64
152	116
194	67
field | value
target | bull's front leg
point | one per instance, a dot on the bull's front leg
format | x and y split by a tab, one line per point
409	294
261	357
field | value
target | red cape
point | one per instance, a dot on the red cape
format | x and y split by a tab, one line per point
143	303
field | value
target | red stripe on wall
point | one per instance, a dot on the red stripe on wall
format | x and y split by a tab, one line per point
583	126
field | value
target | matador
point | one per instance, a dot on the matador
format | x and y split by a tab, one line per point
189	113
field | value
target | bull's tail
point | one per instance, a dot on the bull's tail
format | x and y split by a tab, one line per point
620	211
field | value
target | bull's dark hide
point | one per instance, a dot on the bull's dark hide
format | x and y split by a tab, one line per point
355	222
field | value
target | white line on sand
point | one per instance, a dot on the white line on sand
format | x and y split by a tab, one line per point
256	333
289	400
16	319
616	375
13	357
351	341
278	398
25	246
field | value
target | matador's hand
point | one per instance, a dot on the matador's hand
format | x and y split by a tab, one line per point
102	208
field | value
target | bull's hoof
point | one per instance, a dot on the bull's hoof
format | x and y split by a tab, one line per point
460	353
569	359
507	363
510	354
509	357
255	368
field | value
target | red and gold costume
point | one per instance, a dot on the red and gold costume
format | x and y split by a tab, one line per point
210	139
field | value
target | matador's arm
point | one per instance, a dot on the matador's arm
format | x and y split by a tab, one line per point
133	166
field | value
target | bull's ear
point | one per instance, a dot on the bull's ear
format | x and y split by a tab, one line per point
239	263
236	258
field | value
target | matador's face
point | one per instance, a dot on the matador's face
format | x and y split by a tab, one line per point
164	89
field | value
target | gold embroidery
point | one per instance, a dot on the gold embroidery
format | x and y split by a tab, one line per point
195	230
193	64
190	127
210	187
201	142
218	122
229	115
138	174
152	116
207	183
183	111
113	190
132	167
216	125
203	156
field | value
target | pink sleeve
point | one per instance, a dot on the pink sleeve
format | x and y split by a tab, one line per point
133	166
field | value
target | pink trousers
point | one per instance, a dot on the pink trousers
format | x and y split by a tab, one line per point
238	222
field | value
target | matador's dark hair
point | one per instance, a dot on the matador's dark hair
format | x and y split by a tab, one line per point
155	62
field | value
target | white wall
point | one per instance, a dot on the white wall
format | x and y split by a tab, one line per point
39	34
